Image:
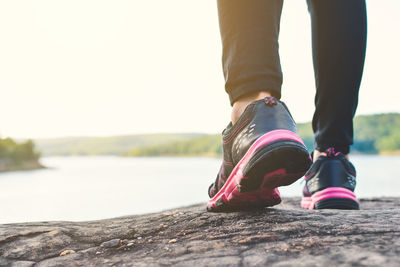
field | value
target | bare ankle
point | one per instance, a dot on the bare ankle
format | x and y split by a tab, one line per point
240	105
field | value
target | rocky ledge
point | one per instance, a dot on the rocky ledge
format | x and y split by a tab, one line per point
281	236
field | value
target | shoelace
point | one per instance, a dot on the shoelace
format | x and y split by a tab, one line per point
330	152
270	101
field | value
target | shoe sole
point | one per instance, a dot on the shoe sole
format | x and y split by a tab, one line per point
331	198
277	158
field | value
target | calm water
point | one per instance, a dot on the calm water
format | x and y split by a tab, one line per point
88	188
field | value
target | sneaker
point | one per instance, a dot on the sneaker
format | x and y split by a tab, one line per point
260	152
330	183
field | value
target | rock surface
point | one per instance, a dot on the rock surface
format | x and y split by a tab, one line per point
281	236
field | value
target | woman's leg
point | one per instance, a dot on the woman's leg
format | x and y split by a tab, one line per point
261	150
249	33
339	29
339	41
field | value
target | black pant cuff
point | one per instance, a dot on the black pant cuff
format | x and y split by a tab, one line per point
273	87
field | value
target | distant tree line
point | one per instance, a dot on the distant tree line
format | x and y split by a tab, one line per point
372	134
13	154
377	133
206	146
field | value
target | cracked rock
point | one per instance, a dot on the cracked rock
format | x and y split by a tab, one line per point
284	235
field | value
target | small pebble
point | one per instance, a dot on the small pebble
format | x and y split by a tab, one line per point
111	243
66	252
172	241
98	252
129	244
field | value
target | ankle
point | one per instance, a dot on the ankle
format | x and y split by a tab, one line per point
317	154
240	105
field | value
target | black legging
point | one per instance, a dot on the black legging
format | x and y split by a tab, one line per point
249	32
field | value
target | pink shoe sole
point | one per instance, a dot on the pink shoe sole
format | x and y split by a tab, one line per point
331	198
276	159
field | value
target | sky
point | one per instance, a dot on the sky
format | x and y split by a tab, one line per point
98	68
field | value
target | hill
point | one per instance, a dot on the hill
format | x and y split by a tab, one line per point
373	134
113	145
378	133
205	146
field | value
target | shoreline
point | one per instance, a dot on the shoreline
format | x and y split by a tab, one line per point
25	166
355	153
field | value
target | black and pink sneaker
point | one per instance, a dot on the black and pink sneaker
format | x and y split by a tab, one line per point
260	153
330	183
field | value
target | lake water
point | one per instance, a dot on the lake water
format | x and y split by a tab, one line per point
89	188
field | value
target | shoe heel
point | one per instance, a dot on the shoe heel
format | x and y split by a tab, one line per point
274	165
334	198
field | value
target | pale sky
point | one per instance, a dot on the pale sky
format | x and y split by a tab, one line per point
92	67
